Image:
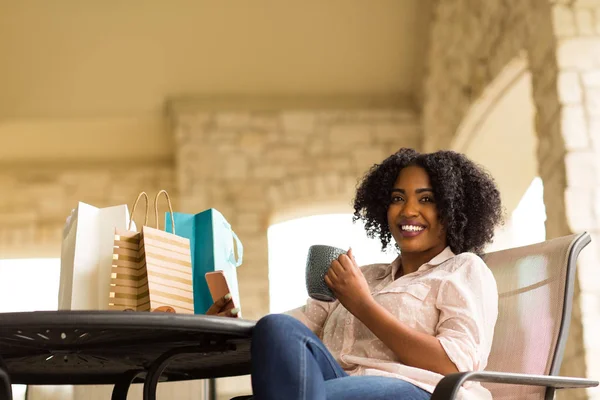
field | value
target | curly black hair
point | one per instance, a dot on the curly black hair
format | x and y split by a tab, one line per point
467	198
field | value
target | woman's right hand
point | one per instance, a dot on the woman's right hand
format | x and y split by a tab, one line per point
222	308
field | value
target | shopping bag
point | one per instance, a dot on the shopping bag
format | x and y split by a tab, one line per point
214	246
86	256
151	268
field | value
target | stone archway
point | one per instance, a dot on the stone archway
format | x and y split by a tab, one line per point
498	132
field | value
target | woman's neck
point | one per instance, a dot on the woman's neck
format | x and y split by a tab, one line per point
411	262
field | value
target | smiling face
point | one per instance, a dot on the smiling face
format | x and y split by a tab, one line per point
413	216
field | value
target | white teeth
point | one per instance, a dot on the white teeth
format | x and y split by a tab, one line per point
412	228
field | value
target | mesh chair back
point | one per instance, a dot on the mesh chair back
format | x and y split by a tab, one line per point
535	285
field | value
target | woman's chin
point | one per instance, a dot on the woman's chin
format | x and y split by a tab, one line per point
412	245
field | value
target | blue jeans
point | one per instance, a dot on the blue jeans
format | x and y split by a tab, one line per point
290	362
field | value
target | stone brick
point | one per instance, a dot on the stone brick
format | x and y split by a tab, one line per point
394	132
235	168
348	136
279	155
296	138
298	121
596	204
249	222
585	3
569	88
228	120
590	305
253	141
574	128
583	53
582	169
267	172
594	132
300	168
316	147
592	95
328	117
585	21
265	121
587	267
580	209
591	79
334	164
364	159
564	21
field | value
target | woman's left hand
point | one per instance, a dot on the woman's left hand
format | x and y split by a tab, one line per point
348	283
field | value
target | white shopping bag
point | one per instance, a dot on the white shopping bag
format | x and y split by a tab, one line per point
86	256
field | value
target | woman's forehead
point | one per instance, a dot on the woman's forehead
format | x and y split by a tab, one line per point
412	176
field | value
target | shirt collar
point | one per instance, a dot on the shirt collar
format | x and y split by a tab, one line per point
444	256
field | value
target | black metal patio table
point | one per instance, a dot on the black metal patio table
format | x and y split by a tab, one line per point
119	348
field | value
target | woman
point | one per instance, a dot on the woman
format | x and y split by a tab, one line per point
396	329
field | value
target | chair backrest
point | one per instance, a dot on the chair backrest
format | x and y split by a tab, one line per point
535	286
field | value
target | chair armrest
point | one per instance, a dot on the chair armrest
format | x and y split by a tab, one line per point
448	387
5	388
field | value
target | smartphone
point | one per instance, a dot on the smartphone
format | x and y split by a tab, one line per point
218	287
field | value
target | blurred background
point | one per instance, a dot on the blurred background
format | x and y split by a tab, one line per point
270	111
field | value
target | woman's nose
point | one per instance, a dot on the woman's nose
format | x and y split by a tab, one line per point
410	209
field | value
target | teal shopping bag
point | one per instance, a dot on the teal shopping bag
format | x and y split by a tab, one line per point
214	246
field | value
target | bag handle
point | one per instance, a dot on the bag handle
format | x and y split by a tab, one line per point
144	195
170	208
238	245
240	250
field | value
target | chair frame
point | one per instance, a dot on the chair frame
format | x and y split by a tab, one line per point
448	387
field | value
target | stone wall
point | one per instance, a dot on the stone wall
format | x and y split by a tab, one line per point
260	167
470	43
36	199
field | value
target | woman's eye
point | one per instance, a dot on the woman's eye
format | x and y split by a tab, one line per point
396	199
427	200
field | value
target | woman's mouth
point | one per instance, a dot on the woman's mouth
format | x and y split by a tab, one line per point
411	230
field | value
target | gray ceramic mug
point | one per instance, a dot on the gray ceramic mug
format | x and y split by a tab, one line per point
317	264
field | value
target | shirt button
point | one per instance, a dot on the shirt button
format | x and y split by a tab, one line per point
348	321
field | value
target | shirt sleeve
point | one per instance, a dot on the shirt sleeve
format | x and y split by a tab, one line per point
313	314
468	304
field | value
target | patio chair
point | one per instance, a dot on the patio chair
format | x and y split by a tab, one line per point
535	286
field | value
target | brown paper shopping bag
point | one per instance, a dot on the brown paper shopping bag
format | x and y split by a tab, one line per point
151	268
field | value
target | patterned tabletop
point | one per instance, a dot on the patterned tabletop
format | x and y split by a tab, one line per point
99	347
